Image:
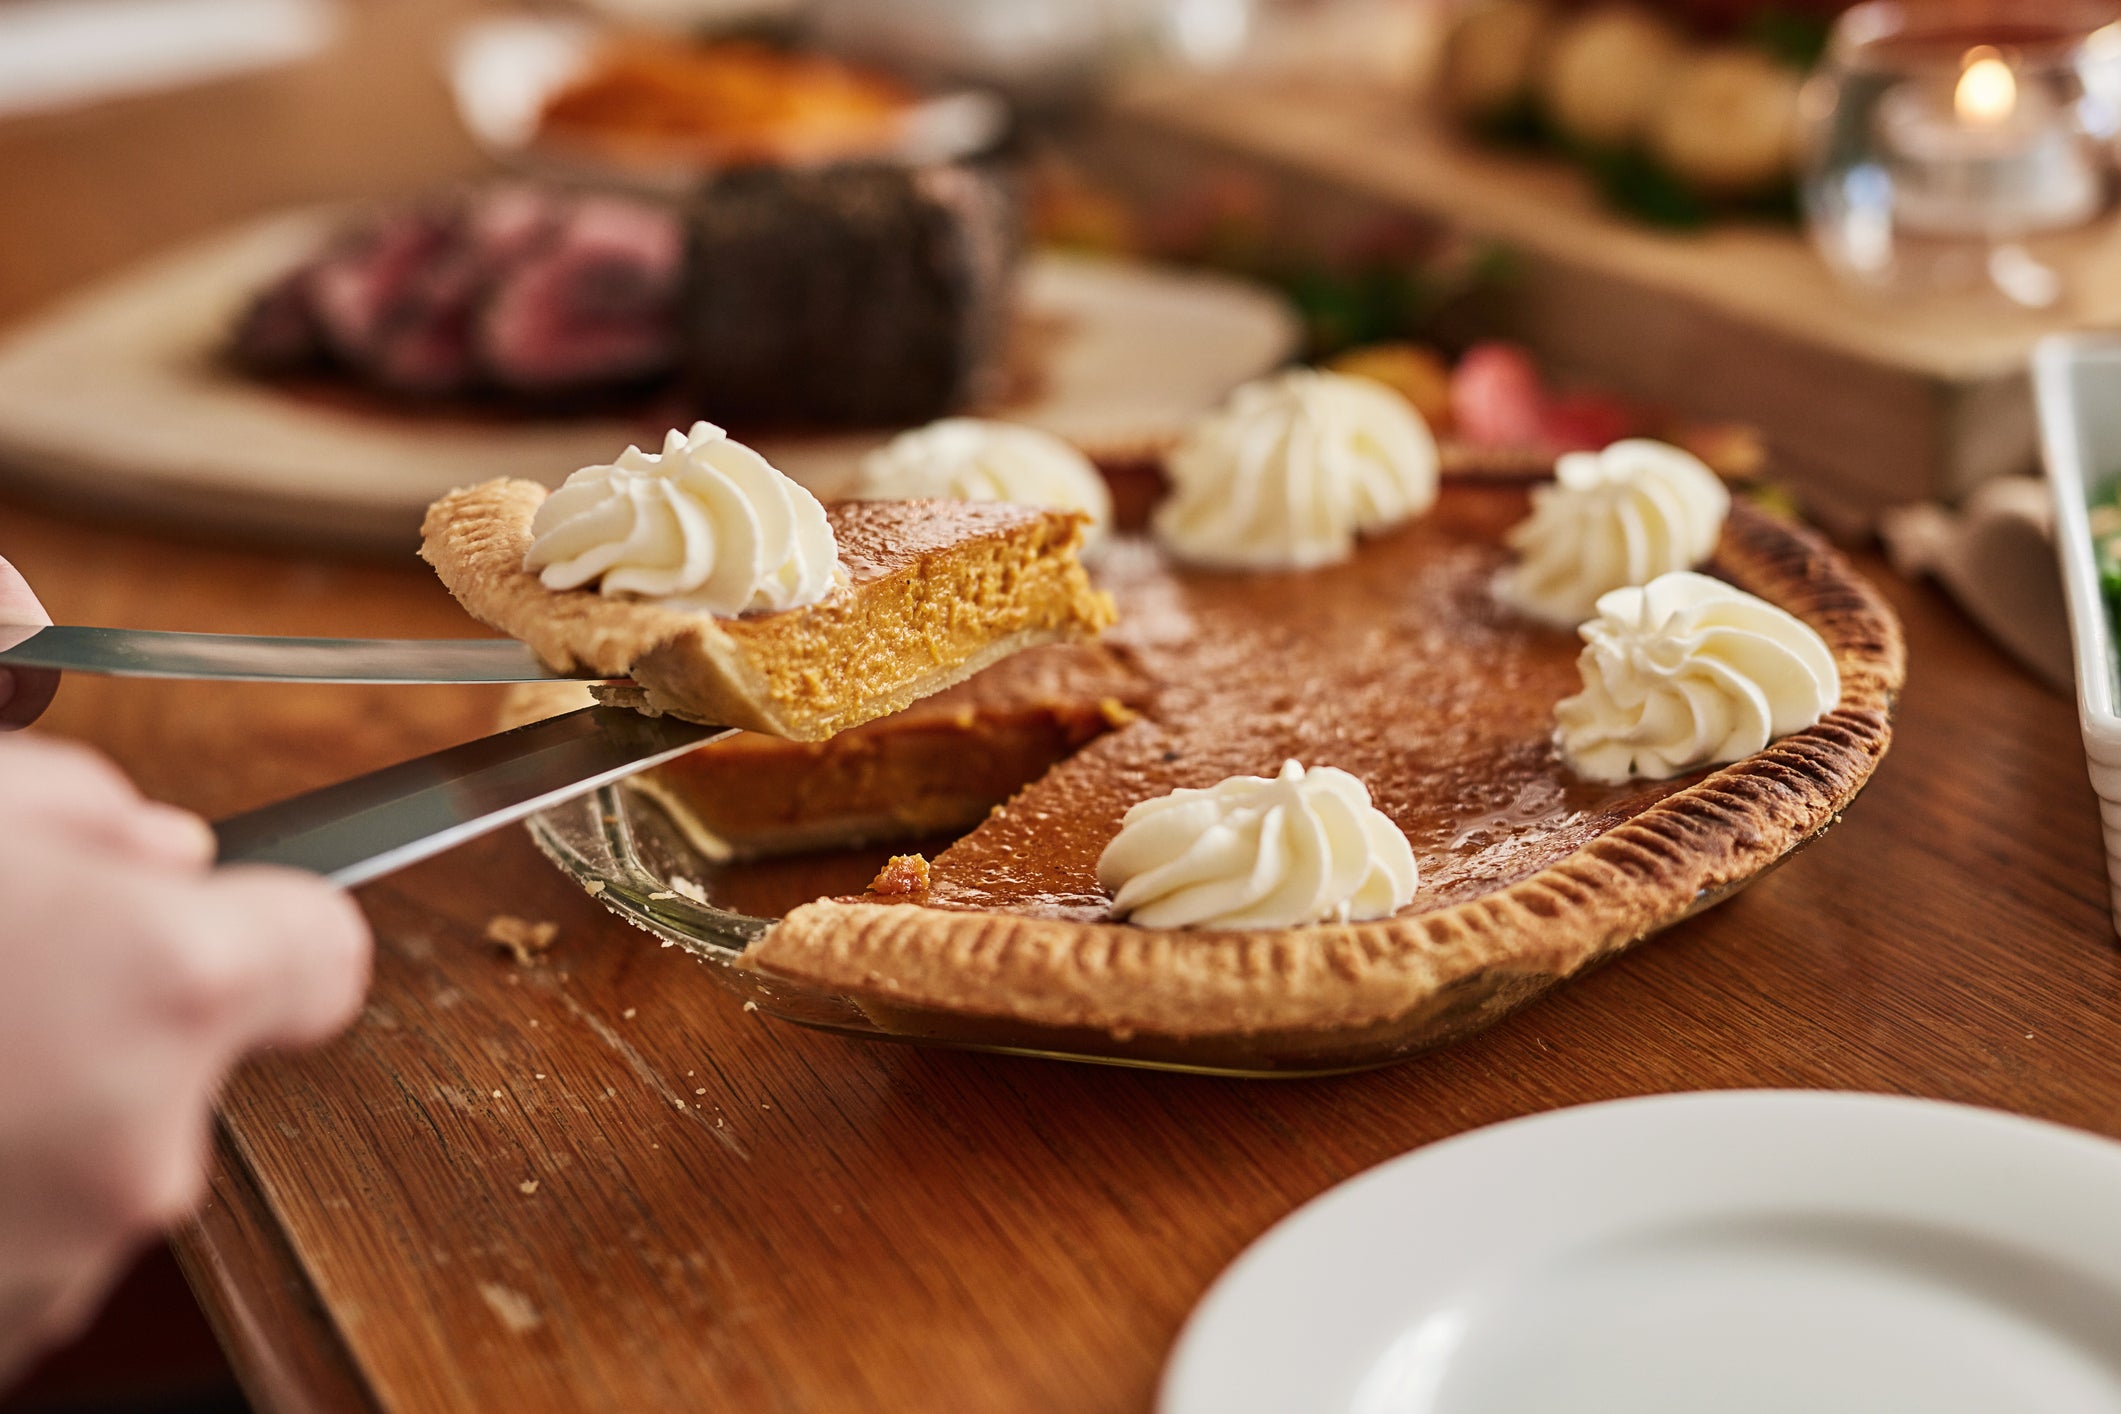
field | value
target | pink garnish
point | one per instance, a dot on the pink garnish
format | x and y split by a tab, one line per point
1497	398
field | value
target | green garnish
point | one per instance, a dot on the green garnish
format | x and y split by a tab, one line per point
1794	37
2105	518
1638	184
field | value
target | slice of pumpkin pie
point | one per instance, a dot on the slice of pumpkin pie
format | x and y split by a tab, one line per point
727	593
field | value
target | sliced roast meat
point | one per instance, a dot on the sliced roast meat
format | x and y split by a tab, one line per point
278	332
361	287
507	221
593	307
427	345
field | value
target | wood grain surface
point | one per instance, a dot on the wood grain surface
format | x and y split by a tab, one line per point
593	1182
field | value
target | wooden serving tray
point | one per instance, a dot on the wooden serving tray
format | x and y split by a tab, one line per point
120	399
1866	403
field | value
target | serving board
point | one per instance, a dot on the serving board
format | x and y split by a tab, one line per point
1866	402
120	399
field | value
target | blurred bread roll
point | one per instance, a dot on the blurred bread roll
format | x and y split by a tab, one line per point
1491	55
1604	75
1729	122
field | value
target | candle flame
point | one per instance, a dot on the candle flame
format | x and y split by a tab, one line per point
1987	91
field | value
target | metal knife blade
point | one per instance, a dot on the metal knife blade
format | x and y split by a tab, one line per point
366	827
231	657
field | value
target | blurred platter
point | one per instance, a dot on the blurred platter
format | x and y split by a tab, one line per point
514	78
122	398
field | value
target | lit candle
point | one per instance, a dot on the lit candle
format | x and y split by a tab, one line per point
1980	154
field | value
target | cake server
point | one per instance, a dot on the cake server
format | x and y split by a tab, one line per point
364	828
231	657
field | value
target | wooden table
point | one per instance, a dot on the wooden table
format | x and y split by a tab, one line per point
593	1182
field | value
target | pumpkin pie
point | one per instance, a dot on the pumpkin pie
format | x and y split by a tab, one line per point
1402	667
933	591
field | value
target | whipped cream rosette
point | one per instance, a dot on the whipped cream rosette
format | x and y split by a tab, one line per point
1612	518
1254	852
1292	468
706	524
977	459
1687	671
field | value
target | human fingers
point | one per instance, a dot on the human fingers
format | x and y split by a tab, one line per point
305	946
18	602
104	1113
24	692
50	787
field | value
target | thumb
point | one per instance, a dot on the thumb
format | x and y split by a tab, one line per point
308	947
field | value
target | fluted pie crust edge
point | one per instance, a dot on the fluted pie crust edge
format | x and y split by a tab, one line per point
1375	990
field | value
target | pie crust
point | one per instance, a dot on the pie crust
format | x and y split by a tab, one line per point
936	590
1045	974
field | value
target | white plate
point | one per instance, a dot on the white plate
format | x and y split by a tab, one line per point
118	399
1731	1253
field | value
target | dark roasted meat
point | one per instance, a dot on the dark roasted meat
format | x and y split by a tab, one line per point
868	295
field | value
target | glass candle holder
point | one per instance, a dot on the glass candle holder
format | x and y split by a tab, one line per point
1954	143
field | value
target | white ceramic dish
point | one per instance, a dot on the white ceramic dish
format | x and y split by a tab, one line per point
1738	1252
2077	388
502	71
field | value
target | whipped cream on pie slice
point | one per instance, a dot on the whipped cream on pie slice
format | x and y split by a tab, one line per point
1254	852
1618	517
1292	468
706	524
978	459
1687	671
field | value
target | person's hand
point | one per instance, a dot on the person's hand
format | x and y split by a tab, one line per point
24	692
132	976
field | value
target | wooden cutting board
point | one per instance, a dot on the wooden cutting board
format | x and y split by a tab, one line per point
119	399
1865	402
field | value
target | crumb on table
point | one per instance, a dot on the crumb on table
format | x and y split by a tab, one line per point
905	875
521	937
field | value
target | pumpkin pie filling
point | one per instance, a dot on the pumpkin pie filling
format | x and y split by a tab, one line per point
1398	667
